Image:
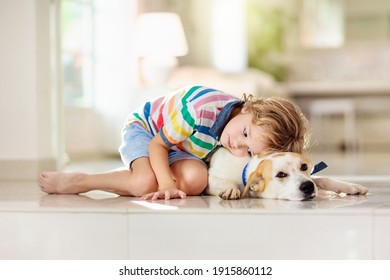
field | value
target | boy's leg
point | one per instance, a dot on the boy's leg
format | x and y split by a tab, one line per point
191	176
136	181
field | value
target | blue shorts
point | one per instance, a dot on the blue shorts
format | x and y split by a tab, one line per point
135	144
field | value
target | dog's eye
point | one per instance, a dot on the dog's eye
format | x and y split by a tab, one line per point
304	167
281	175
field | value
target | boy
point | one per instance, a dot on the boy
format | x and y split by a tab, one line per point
166	142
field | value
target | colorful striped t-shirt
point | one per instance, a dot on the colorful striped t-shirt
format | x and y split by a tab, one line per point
184	118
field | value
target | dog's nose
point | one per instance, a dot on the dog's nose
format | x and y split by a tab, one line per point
307	188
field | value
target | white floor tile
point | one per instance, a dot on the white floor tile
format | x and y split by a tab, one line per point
250	236
46	235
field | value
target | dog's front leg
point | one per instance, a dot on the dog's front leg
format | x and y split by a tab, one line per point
225	189
337	186
232	192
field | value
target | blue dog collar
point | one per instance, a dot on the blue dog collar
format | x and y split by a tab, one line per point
243	174
319	167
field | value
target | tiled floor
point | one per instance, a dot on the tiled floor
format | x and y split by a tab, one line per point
100	225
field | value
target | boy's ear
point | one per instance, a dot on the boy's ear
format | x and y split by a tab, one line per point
244	109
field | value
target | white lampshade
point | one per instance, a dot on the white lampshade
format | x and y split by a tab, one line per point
160	35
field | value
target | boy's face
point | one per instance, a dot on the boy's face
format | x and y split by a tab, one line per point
241	137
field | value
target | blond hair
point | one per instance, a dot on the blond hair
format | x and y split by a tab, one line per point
286	127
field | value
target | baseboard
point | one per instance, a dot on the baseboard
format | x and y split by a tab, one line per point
24	170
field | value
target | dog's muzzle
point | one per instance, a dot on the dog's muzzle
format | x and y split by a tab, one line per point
308	189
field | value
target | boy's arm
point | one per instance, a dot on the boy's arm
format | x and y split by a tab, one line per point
158	152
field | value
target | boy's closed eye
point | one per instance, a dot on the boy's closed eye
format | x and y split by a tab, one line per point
245	133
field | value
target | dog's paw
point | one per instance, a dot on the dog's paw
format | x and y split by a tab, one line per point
355	189
230	193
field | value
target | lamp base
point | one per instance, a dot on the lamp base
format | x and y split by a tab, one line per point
156	70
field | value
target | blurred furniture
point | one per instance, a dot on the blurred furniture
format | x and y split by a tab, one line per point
371	105
250	81
320	109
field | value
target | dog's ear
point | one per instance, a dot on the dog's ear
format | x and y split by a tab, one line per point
255	181
259	187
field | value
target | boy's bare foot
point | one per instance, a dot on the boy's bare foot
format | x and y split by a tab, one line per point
61	183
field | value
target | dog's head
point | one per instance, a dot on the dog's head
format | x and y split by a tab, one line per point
281	176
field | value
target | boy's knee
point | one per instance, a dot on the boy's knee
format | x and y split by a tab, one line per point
147	184
194	181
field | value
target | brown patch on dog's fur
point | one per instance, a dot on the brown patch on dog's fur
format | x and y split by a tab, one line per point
267	173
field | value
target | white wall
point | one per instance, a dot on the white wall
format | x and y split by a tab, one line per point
25	112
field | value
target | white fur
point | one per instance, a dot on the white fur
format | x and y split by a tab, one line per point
225	177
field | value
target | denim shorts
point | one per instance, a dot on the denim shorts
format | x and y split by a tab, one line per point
135	144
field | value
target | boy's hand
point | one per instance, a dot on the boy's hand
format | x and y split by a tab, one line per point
164	194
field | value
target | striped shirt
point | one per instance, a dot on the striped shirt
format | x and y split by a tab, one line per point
184	118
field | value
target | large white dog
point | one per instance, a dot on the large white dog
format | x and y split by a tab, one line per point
276	175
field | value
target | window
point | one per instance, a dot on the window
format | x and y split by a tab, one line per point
77	51
322	23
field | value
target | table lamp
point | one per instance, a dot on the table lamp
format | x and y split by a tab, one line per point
160	39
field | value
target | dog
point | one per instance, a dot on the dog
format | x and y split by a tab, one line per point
279	175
